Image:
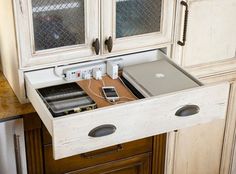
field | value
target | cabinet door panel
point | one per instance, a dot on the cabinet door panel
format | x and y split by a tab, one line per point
137	17
57	23
136	24
52	31
198	149
208	148
211	32
135	165
94	158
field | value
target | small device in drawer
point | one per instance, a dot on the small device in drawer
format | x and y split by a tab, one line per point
66	99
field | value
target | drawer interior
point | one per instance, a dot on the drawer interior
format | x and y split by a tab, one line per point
124	121
84	95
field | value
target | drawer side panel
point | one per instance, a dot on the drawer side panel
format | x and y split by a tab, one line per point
39	106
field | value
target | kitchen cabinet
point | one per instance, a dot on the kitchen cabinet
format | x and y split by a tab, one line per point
143	156
199	149
12	149
170	105
209	53
208	148
52	30
32	62
135	24
55	31
136	165
229	158
210	33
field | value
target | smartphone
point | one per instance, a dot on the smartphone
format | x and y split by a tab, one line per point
110	93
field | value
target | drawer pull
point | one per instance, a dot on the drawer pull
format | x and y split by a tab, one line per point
96	46
182	43
109	44
187	110
102	130
95	154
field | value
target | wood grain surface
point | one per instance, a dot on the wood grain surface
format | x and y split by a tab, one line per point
9	104
96	89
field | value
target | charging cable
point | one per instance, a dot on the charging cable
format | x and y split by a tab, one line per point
113	102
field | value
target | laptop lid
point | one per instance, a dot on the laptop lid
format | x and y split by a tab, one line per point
157	77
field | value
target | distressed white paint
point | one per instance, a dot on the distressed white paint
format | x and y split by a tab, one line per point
134	120
139	41
211	32
24	29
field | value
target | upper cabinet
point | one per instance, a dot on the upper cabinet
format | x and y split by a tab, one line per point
135	24
52	31
210	32
56	30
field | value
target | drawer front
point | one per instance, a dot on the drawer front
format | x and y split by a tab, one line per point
140	164
138	119
102	156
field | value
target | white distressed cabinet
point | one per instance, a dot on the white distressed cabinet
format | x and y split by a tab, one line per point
82	32
209	53
12	149
133	120
53	31
136	25
210	36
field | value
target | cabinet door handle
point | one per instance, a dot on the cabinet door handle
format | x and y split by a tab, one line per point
103	130
114	149
187	110
109	44
96	46
182	43
17	154
21	6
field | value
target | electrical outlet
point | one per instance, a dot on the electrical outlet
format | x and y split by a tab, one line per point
83	72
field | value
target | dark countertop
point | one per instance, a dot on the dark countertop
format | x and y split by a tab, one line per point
10	107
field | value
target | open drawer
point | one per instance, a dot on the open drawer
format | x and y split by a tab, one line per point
103	127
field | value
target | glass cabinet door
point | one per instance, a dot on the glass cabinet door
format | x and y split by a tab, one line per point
58	23
57	30
131	24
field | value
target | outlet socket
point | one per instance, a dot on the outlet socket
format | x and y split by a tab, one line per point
83	72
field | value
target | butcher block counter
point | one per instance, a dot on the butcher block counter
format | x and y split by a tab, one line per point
10	107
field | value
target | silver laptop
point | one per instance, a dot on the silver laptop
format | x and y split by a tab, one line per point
157	77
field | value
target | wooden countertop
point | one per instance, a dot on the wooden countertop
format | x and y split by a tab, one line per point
9	104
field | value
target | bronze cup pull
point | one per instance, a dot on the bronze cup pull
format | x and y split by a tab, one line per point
96	46
188	110
102	130
109	44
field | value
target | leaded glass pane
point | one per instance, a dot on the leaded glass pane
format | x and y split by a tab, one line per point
135	17
58	23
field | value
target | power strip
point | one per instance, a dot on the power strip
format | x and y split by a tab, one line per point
84	72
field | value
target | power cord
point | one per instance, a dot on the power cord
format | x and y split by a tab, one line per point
101	97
